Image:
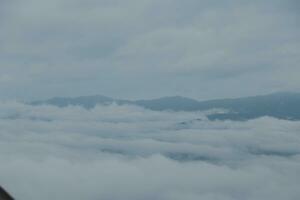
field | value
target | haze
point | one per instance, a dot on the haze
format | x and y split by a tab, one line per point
137	49
150	99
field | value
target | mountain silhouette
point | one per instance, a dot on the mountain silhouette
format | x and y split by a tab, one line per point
278	105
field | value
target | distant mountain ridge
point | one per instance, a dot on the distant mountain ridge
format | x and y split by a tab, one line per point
278	105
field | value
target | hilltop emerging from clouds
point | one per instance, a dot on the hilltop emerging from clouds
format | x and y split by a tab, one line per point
278	105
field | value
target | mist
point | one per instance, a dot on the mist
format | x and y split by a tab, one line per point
128	152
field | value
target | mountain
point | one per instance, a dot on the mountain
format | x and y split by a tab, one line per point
175	103
278	105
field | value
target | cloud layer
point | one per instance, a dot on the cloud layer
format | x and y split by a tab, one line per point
118	48
126	152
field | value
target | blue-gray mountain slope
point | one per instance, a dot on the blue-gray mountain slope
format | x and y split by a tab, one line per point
278	105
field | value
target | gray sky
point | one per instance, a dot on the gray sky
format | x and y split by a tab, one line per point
148	48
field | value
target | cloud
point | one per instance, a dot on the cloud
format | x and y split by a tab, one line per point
127	152
98	46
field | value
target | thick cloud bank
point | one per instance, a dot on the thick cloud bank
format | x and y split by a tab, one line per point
125	152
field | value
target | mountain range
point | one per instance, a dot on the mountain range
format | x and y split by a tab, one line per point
278	105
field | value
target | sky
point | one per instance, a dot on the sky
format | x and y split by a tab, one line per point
140	49
127	152
137	49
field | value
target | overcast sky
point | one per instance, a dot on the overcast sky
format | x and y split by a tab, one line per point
148	48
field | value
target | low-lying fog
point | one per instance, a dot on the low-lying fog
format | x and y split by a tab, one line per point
126	152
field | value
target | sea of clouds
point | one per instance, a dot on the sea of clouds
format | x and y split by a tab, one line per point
127	152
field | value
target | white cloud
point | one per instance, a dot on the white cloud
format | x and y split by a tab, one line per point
126	152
